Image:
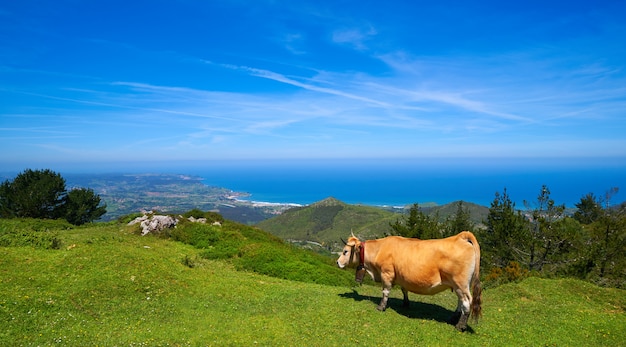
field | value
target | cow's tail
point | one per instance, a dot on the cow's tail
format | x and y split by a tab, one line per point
477	289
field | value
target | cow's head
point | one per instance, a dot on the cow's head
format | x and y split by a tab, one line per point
350	254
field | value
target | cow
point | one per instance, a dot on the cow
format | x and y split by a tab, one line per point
423	267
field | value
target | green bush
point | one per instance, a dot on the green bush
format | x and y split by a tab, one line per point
513	272
211	217
83	205
251	249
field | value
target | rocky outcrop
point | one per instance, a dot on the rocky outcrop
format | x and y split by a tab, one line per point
154	223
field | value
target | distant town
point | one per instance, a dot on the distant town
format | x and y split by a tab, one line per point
171	193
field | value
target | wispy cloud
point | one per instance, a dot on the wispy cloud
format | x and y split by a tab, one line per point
355	37
271	75
293	42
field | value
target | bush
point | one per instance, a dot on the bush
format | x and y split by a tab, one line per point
211	217
83	206
513	272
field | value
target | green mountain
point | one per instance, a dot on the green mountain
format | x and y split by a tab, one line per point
328	220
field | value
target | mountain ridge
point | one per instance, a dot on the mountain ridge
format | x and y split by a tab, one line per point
330	219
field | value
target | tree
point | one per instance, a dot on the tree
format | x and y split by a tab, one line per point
504	240
41	194
608	235
33	194
83	206
6	208
589	209
460	221
547	235
416	225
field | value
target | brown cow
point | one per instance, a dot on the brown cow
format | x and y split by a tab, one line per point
422	267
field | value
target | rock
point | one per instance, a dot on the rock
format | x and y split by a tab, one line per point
154	223
138	220
199	220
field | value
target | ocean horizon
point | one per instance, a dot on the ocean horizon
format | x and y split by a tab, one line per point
401	185
395	182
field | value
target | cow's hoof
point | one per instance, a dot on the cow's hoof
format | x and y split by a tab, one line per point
461	328
381	308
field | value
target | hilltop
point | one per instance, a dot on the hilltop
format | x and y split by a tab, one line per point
327	220
109	286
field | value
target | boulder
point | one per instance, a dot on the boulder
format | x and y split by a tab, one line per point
154	223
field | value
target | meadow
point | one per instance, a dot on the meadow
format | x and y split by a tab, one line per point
104	285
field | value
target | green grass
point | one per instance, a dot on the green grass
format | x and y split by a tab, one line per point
252	249
108	287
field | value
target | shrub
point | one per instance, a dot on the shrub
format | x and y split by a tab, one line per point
83	206
211	217
513	272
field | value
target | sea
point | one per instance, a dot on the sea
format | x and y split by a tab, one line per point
397	182
404	182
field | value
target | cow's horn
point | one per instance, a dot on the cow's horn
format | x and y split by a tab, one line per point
344	242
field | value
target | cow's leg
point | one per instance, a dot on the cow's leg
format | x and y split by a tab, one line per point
383	302
387	280
457	313
405	302
463	309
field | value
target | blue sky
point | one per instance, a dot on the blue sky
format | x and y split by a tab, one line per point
84	82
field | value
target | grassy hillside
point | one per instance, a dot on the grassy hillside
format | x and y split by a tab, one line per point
109	287
328	220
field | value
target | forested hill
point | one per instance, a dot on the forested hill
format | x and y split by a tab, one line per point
329	220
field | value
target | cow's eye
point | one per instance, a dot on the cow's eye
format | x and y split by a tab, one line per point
345	252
